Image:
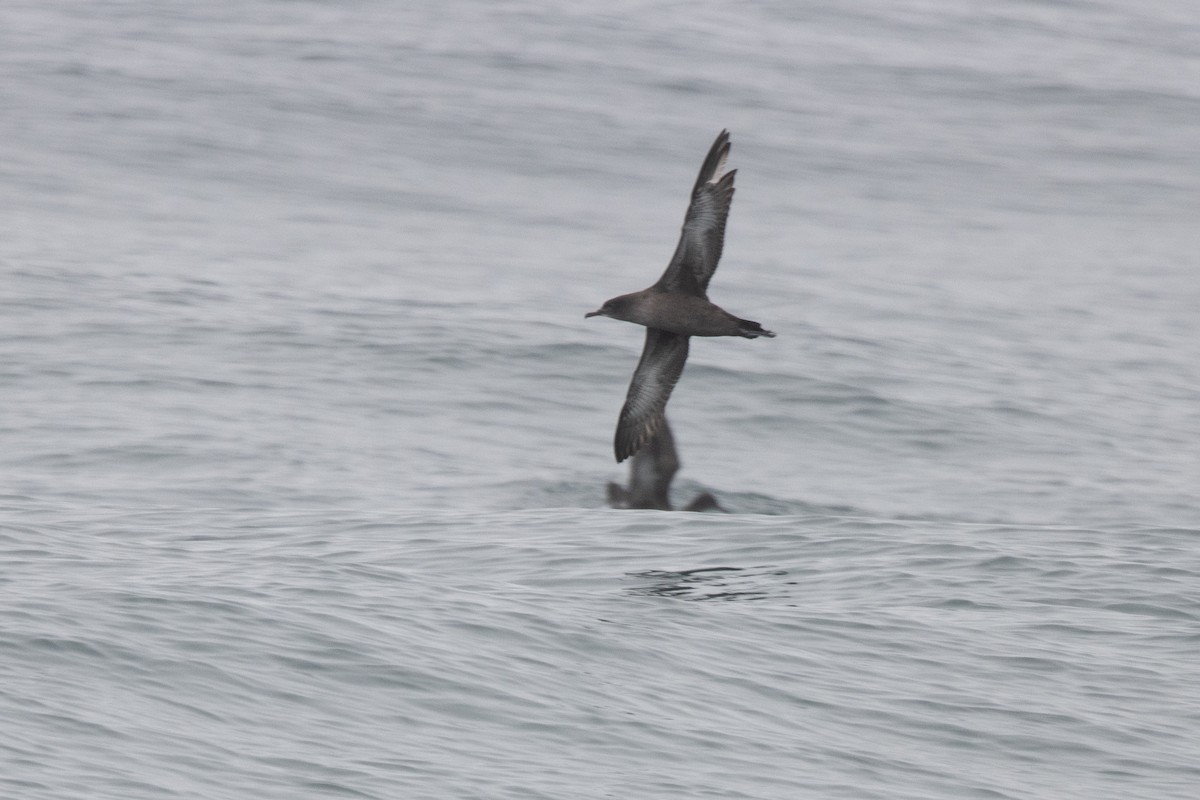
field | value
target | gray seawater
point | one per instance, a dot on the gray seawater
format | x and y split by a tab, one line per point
303	436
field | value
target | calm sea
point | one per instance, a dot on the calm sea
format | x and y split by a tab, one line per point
304	438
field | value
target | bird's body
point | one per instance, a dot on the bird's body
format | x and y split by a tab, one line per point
677	306
682	314
651	471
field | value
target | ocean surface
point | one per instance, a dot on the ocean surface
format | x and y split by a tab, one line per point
304	438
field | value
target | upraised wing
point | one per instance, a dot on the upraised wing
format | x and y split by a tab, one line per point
652	469
658	370
703	235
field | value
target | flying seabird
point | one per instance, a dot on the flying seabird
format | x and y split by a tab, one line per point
650	473
677	306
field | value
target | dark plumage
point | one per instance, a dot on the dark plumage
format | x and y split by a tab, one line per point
677	306
651	471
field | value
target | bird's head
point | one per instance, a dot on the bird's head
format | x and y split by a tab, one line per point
617	308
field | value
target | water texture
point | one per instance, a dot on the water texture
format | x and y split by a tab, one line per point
304	438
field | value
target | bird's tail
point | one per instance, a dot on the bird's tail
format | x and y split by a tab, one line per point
752	330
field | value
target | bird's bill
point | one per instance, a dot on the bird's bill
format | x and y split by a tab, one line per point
599	313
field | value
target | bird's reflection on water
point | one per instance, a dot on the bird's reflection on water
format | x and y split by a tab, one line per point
708	583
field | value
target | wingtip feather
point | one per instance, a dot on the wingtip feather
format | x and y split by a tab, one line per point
714	162
627	442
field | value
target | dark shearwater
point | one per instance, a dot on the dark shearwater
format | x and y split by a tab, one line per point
677	306
651	471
